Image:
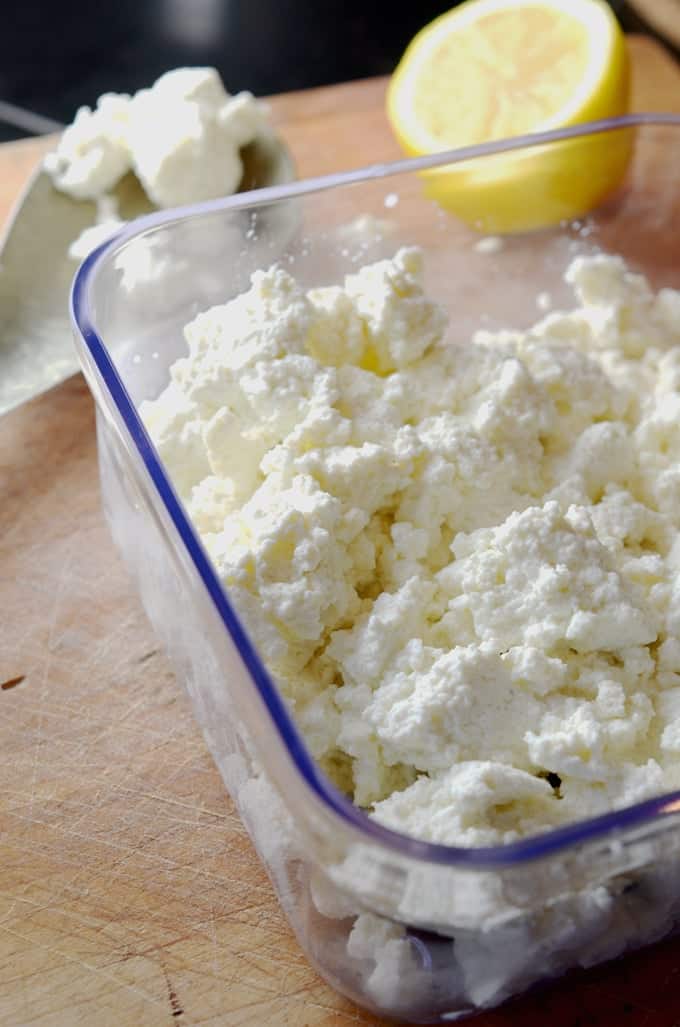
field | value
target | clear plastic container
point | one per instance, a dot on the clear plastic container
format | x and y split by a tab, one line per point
415	931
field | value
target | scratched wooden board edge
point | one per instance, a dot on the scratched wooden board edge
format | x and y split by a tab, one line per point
130	893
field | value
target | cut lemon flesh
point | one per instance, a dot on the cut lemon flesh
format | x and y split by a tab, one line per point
491	69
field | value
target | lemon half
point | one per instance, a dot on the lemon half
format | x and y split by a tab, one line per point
491	69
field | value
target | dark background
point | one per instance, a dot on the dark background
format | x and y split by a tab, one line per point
58	54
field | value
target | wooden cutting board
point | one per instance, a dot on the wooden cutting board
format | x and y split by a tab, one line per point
129	892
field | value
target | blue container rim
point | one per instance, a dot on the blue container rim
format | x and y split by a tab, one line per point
549	843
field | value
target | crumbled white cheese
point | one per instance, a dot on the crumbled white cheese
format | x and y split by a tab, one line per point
93	152
385	947
456	556
185	134
107	224
181	137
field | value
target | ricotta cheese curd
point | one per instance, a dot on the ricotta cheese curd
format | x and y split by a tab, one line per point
457	556
182	138
107	223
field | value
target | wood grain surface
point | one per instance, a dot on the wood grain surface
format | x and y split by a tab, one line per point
129	891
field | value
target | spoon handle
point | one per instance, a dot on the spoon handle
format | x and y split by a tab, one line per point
27	120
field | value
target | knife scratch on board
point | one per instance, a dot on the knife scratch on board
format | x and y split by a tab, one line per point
12	682
175	1007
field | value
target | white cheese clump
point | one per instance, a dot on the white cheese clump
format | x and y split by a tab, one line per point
181	137
93	152
107	224
457	557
